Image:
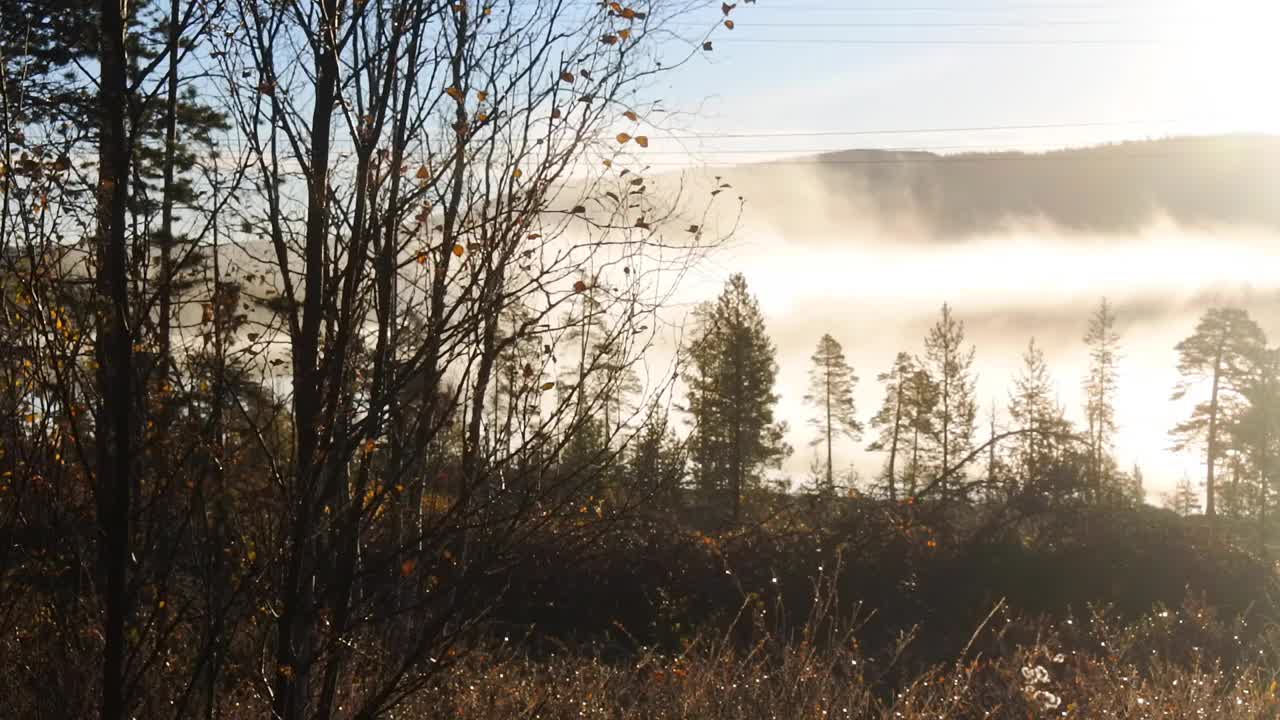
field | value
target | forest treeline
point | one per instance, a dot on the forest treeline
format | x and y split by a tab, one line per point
935	443
327	333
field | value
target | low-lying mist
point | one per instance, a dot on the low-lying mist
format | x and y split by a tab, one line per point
868	245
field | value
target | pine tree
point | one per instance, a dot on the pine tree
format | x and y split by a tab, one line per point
950	367
831	382
1100	384
1254	438
1220	352
730	377
922	398
899	419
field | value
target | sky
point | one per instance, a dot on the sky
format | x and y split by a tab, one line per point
796	77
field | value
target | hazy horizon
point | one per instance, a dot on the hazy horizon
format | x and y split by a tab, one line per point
869	252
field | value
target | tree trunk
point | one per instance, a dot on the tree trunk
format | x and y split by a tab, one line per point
167	200
114	354
1213	436
893	444
291	672
830	474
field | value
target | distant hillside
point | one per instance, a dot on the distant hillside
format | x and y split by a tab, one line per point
1201	182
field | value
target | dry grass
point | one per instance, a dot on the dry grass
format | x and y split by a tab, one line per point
1171	664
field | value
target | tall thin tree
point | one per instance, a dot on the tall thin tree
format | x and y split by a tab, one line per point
831	383
1100	385
950	365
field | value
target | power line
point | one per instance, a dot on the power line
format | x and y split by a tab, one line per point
797	151
1009	7
1085	154
749	24
911	131
947	43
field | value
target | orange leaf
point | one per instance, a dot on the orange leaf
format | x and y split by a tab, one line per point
566	76
624	33
516	173
728	24
482	95
579	287
548	386
458	250
630	115
422	258
615	7
623	138
406	567
608	162
482	116
423	173
628	13
453	92
642	141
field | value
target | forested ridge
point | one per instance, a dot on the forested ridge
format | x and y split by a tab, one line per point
343	378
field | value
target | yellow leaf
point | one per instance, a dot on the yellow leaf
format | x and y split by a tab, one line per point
458	250
482	116
516	173
454	92
642	141
548	386
623	138
624	33
608	162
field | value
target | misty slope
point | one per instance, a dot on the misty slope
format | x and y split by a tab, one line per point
1197	182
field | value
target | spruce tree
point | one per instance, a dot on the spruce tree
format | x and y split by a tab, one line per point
1034	411
950	367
